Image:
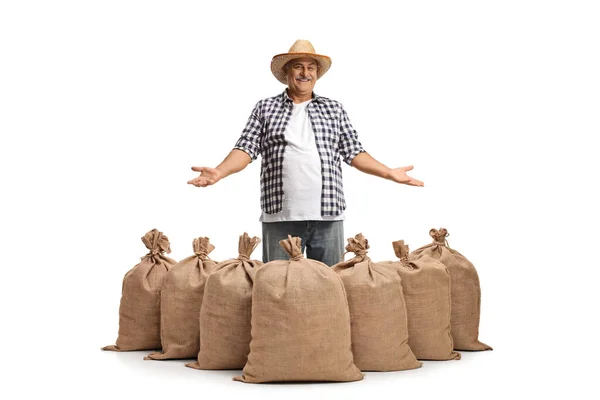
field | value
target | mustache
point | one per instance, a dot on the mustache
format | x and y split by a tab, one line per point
304	78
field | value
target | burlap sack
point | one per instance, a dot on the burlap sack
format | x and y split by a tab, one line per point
139	313
180	303
377	311
426	287
226	311
300	323
466	292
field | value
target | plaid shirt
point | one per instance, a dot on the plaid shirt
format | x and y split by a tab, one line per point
334	136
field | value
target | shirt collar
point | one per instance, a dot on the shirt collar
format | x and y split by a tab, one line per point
285	98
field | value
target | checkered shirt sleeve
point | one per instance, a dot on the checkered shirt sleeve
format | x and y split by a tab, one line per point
349	145
250	140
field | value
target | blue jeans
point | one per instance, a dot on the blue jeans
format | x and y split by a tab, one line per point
323	240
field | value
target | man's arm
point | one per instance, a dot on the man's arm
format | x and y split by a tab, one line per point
235	161
245	150
367	164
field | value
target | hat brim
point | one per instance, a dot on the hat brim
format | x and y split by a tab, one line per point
279	61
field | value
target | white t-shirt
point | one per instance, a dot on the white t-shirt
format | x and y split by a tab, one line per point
302	181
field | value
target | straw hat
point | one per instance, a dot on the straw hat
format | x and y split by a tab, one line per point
300	49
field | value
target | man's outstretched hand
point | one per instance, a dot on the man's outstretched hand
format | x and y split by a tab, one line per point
399	175
208	176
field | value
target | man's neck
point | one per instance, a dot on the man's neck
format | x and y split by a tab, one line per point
298	98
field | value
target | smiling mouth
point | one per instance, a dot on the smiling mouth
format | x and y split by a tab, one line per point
303	79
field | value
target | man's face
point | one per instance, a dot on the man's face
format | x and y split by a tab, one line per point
302	75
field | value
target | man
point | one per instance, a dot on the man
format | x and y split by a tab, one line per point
301	137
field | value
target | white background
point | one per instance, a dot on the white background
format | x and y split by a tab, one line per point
105	106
